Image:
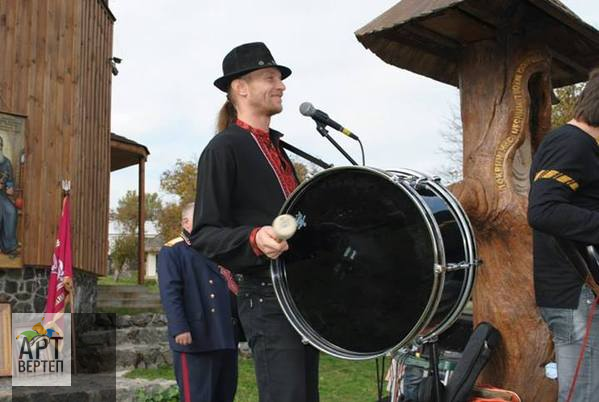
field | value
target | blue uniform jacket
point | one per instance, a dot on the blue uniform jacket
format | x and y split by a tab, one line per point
195	298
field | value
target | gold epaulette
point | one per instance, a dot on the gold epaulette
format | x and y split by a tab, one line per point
171	243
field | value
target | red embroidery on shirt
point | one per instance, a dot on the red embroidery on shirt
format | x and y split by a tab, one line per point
280	165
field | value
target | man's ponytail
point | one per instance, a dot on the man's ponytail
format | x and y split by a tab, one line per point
226	116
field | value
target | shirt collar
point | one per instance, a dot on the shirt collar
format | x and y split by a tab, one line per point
185	236
257	131
270	134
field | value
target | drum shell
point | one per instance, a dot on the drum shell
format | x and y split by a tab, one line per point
436	300
459	247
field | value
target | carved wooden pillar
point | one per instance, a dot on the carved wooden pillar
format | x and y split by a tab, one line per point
506	108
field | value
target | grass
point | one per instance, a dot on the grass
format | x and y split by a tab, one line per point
165	372
129	310
150	284
108	280
340	380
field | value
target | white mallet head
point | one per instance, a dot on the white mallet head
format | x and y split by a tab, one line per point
284	226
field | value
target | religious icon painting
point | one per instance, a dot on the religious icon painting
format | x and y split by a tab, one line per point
12	164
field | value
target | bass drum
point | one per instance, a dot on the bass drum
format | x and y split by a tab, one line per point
380	260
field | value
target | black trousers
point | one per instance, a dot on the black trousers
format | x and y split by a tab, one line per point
206	376
286	369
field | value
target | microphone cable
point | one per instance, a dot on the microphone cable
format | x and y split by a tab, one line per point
362	149
583	348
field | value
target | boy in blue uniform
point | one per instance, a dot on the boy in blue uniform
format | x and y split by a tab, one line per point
197	296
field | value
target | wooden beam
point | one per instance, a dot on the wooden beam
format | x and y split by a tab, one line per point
569	63
479	14
412	39
435	37
141	273
567	18
135	149
109	13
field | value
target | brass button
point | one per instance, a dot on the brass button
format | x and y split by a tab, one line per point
261	300
211	281
212	310
212	295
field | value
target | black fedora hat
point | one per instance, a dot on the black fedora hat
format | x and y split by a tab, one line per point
244	59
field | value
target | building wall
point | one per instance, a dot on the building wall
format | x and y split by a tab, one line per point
26	290
55	71
151	265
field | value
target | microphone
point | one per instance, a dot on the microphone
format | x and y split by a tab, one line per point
308	109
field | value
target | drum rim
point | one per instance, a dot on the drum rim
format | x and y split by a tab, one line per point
279	277
469	243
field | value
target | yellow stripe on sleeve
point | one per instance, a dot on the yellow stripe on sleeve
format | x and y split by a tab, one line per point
557	176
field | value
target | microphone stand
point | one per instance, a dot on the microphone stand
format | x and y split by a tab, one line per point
324	132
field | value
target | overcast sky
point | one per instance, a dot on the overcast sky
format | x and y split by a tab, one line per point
172	51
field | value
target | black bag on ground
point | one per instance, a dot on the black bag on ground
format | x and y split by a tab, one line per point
477	352
426	391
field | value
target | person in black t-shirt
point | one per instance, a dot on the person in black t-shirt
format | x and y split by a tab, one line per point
564	206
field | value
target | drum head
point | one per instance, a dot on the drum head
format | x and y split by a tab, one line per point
359	275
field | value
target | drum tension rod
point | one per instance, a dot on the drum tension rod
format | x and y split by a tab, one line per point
413	181
462	265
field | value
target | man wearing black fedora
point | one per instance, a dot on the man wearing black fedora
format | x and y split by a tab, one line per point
244	177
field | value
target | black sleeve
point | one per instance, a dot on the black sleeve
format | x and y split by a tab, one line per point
559	170
170	283
215	233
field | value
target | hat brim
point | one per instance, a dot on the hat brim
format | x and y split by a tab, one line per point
223	82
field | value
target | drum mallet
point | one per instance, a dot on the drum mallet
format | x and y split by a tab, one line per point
284	227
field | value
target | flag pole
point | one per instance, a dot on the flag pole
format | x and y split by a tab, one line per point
73	335
61	282
66	188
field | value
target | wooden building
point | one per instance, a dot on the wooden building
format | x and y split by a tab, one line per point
55	95
56	77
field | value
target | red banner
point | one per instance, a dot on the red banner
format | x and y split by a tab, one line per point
60	283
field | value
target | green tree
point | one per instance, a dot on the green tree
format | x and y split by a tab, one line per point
180	182
169	221
451	148
563	112
304	170
124	250
126	213
124	253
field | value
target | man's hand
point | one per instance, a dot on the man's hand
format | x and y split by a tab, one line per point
183	338
267	242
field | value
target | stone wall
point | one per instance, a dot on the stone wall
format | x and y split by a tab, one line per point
26	289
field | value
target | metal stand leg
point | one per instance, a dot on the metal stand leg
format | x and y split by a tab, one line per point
434	359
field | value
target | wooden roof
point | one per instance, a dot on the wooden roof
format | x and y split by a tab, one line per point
125	152
107	8
426	36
